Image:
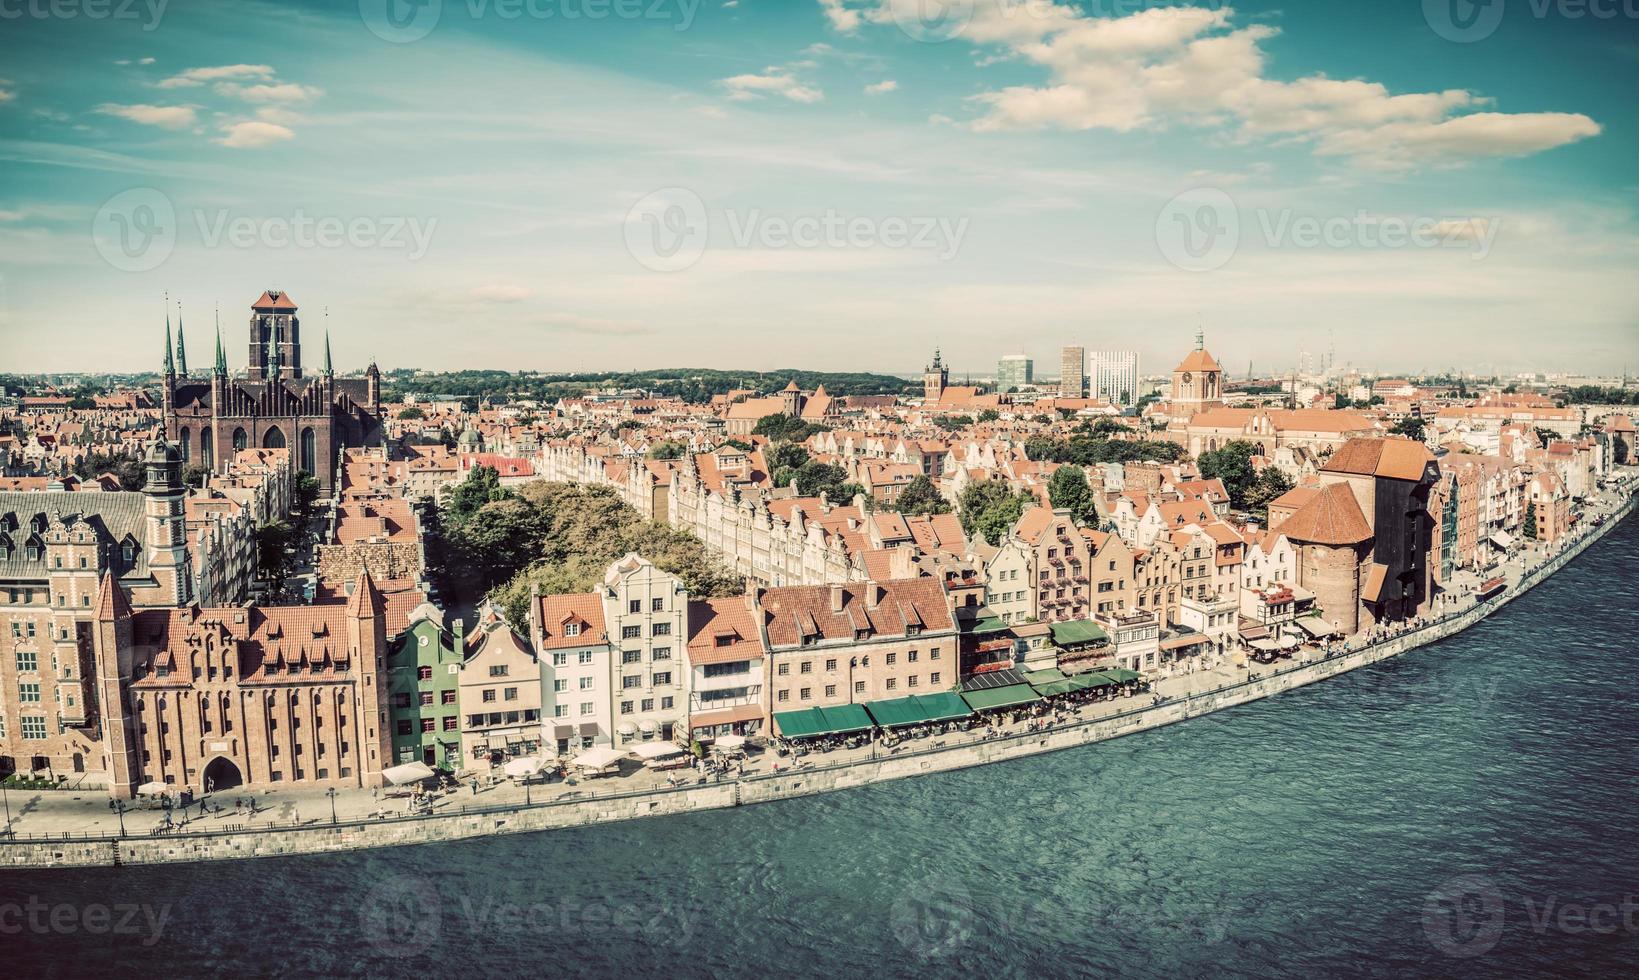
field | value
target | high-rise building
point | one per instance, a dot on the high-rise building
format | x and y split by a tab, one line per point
1113	376
1014	371
1073	373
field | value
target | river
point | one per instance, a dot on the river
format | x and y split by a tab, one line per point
1464	810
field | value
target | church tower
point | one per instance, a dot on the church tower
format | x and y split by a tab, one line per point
1197	383
275	338
935	379
166	523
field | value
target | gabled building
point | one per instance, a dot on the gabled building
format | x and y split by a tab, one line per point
423	691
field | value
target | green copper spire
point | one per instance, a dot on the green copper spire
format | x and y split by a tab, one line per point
181	348
170	365
221	357
327	368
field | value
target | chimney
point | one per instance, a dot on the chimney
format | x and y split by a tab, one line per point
836	598
900	563
872	594
456	627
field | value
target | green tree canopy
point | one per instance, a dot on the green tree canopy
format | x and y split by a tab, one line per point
921	497
989	508
1069	489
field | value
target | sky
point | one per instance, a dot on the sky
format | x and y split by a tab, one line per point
585	185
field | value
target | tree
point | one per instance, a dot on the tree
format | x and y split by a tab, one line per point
306	493
194	474
132	475
274	542
784	459
1231	464
81	404
667	449
921	497
1530	530
815	478
1068	489
482	486
740	444
412	412
1411	427
990	509
1269	485
989	415
786	428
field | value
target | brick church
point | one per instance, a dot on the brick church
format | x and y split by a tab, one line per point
276	405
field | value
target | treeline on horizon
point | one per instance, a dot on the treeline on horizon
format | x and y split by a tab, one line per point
693	385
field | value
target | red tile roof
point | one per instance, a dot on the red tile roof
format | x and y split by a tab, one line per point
1331	517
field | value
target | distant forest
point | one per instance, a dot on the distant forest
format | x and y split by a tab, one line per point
695	385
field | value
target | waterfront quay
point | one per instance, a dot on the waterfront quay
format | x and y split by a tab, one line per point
66	829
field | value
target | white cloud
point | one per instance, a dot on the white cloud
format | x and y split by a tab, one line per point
773	81
280	92
248	135
199	76
843	18
6	95
163	116
1191	65
886	85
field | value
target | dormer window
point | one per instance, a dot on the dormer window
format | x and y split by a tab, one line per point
571	629
128	552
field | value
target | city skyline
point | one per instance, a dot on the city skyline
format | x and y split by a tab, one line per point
997	209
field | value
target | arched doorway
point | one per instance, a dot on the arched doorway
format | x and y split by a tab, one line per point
273	439
221	774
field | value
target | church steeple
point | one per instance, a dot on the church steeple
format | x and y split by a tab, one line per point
170	364
181	348
328	371
221	356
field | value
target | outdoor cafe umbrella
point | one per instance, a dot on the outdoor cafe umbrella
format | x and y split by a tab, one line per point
597	758
522	768
656	750
151	789
729	743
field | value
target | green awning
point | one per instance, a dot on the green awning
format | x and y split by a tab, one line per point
1121	675
944	706
1078	632
838	719
990	624
1070	685
1046	675
1000	697
896	712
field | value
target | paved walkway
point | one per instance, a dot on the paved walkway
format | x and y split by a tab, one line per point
87	812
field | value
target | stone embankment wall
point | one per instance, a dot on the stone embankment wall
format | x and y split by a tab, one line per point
789	784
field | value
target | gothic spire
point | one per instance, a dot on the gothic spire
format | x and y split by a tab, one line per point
327	369
181	348
170	364
221	357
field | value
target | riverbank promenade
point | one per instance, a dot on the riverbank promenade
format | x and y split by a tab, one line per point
43	826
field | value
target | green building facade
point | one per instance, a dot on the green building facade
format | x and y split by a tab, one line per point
424	671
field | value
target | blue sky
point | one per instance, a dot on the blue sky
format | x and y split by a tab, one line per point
823	183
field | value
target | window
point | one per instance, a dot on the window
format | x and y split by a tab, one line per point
648	704
571	629
914	680
560	685
634	606
628	683
831	665
560	711
912	656
510	694
424	673
588	707
426	698
830	691
662	629
933	654
626	707
657	605
893	658
784	670
560	660
429	725
807	667
34	728
489	695
450	723
448	697
893	682
933	678
806	694
631	656
662	653
497	670
859	687
404	726
28	693
784	696
662	678
585	657
28	661
630	632
667	702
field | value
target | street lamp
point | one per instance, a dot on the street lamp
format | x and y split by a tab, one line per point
331	792
119	808
5	792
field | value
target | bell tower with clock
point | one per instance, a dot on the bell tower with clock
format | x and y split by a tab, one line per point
1197	383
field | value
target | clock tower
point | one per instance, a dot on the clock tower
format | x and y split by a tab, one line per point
1197	383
